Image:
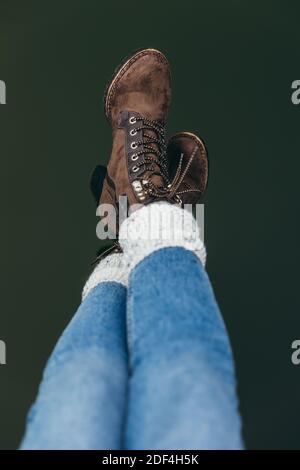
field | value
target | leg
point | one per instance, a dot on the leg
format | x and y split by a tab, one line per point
81	400
182	386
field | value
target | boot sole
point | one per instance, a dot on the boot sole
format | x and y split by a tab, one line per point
120	71
202	147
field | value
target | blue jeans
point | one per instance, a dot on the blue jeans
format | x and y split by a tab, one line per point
156	373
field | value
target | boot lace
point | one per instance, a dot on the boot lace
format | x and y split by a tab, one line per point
155	156
179	176
156	161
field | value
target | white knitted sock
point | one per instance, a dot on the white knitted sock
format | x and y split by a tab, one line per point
159	225
109	269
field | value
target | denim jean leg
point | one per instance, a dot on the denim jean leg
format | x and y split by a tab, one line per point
182	392
82	398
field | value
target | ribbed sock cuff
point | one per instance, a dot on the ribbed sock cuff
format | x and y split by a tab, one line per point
159	225
110	269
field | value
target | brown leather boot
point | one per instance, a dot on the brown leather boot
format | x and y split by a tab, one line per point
186	154
136	104
188	167
184	146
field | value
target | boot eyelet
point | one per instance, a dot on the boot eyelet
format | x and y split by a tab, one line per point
134	157
132	120
133	145
133	132
135	169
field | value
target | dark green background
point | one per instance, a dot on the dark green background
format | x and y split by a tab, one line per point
233	64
